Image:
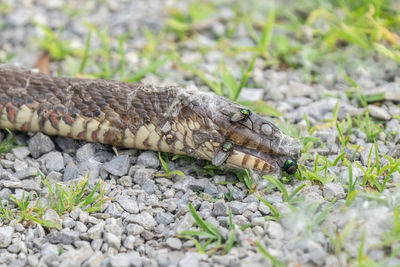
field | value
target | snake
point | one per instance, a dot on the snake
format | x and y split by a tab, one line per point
174	119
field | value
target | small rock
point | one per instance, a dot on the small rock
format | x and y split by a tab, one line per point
174	243
144	219
142	175
85	152
96	230
21	152
6	233
198	184
118	166
94	260
63	237
40	144
128	204
148	159
251	94
71	172
238	207
379	113
52	161
112	240
122	260
220	208
164	218
27	173
391	91
274	230
333	190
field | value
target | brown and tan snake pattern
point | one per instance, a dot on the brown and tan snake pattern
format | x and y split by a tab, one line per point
132	115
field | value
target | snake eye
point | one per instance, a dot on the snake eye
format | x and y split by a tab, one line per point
290	166
243	114
227	146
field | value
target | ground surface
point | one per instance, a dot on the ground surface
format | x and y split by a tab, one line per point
330	72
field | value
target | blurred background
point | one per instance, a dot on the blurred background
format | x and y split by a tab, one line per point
225	45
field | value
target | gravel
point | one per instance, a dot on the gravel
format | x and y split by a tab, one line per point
140	222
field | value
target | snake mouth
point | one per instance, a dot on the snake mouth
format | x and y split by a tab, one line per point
254	159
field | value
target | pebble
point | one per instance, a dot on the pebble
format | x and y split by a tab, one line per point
6	233
220	208
174	243
379	113
52	161
118	166
128	204
148	159
63	237
144	219
142	175
40	144
333	190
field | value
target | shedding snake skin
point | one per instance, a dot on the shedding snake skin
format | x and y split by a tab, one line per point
133	115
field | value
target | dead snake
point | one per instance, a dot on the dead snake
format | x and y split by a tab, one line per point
133	115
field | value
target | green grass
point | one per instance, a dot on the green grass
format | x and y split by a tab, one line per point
64	199
7	144
208	239
168	173
60	198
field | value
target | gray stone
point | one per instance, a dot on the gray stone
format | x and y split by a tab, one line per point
20	165
333	190
40	144
71	172
379	113
134	229
21	152
220	208
149	187
94	260
76	257
68	223
80	227
63	237
32	260
125	259
274	230
190	259
212	190
96	231
54	177
125	181
144	219
6	233
118	166
66	144
251	94
113	240
391	91
148	159
85	152
129	242
52	161
198	184
15	247
27	173
164	218
142	175
128	204
174	243
239	207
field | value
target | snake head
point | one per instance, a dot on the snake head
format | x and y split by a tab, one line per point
243	139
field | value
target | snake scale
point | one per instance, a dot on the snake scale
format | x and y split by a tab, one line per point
133	115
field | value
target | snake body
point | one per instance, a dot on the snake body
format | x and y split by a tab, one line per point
133	115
